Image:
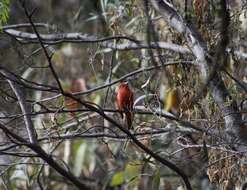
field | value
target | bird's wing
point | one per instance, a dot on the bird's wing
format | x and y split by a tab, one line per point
119	106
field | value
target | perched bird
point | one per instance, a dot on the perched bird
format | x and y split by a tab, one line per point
125	101
77	85
172	101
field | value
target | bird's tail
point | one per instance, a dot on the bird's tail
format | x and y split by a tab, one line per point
129	119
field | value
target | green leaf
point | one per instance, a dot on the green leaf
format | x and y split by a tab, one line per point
132	169
156	180
117	179
80	158
4	11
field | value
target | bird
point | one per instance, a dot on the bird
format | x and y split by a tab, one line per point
172	101
77	85
125	101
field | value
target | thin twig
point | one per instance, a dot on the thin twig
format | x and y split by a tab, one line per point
47	158
24	108
29	16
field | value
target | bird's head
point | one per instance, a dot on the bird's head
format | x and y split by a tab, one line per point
122	85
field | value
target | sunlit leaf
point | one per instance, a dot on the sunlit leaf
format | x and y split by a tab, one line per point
117	179
80	159
97	99
4	11
132	169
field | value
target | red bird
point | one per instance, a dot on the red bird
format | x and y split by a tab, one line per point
77	85
125	101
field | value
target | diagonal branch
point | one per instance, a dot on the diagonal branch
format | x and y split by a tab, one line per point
23	105
46	157
29	16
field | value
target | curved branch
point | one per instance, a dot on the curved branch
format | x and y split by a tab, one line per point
22	102
132	44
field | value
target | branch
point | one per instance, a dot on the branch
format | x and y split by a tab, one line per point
23	105
29	16
26	83
74	37
46	157
24	25
115	137
132	44
127	76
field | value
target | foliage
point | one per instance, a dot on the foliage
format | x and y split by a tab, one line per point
4	11
175	114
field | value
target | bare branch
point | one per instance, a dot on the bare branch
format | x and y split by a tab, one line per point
53	39
43	46
63	37
24	108
47	158
24	25
127	76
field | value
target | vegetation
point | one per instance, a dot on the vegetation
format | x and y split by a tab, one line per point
63	111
